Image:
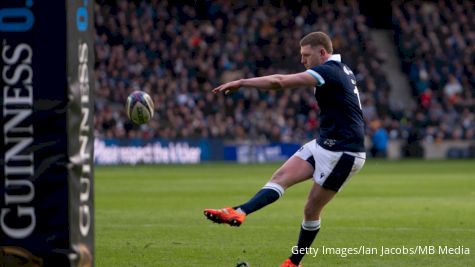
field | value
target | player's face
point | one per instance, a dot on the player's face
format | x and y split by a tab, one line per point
311	55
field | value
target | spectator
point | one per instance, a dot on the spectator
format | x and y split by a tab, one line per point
452	90
379	140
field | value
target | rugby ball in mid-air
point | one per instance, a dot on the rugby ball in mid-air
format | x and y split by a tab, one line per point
139	107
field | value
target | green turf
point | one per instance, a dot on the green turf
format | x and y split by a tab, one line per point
152	216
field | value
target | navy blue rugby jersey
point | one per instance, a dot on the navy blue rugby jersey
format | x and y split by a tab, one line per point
341	117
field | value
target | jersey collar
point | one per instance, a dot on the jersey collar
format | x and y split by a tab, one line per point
335	57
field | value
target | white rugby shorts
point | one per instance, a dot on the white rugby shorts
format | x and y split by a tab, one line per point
332	169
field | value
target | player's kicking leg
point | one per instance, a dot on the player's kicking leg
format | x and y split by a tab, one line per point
293	171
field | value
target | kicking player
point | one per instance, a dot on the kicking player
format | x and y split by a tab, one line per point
331	159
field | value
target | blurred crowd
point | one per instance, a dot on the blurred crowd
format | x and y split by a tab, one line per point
178	52
436	42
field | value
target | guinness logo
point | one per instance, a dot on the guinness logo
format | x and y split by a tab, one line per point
18	257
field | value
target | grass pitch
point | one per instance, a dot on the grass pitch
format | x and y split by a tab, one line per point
153	216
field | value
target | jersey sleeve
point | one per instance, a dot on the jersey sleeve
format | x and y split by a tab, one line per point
319	73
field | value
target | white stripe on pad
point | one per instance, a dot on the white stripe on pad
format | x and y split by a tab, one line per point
276	187
311	225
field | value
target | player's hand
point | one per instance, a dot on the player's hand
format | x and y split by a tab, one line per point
228	88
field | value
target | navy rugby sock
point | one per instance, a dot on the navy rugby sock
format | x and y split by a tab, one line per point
308	232
268	194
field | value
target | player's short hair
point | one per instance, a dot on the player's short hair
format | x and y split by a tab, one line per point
318	38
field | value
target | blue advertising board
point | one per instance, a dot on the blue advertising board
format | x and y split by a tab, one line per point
158	151
259	153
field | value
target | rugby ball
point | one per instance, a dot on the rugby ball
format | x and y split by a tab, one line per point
140	107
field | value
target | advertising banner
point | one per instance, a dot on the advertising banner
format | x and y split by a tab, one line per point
253	153
156	151
187	151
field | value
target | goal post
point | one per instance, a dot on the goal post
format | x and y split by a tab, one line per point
46	141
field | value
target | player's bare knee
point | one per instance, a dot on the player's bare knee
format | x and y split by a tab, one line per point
280	178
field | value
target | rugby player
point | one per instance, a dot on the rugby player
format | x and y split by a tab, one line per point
331	159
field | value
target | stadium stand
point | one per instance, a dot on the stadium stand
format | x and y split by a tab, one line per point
178	53
436	43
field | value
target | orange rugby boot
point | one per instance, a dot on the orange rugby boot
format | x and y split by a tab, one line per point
227	215
289	263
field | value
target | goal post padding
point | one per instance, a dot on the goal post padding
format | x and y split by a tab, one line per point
46	141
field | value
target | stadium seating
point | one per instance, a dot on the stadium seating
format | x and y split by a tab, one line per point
178	53
436	43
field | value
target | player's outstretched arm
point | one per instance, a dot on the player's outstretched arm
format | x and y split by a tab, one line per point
271	82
